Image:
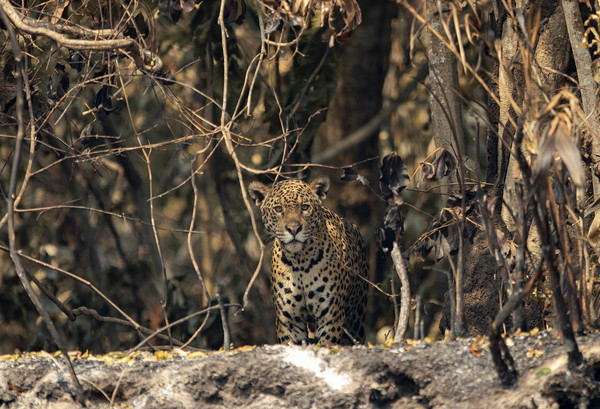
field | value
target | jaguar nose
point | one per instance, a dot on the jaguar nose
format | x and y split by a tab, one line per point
294	228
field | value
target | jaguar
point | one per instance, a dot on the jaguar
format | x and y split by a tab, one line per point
319	266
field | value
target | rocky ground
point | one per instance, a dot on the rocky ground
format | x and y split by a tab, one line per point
456	374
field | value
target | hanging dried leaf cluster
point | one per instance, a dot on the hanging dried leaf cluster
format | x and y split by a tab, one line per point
341	16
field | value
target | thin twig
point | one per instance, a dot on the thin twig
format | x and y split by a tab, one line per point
114	394
195	264
143	330
21	83
484	84
154	244
225	129
61	306
77	278
144	58
263	53
179	321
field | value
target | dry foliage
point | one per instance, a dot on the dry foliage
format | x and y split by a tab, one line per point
130	130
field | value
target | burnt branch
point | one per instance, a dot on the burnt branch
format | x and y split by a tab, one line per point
145	59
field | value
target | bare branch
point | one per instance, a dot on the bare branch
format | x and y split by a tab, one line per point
405	307
225	129
22	82
144	58
363	133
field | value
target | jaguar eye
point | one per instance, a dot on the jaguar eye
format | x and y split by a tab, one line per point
305	207
278	209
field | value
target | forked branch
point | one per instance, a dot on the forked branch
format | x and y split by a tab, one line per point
145	59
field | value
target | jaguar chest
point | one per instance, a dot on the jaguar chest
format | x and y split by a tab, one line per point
307	280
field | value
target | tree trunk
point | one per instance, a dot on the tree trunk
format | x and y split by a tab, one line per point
447	128
357	99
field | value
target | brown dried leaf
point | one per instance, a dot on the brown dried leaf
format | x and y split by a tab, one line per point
594	231
342	16
393	218
55	8
235	11
426	171
393	177
556	140
475	350
444	164
569	154
552	104
545	156
386	238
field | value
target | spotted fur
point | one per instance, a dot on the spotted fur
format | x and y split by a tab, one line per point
318	260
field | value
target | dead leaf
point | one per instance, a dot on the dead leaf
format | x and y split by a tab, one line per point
545	155
55	8
556	136
385	239
162	355
235	11
425	172
349	174
475	350
272	22
394	177
534	353
569	154
14	389
594	231
342	16
444	164
393	218
196	354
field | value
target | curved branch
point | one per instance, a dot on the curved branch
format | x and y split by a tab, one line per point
225	130
144	58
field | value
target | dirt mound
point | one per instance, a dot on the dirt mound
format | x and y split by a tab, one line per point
457	374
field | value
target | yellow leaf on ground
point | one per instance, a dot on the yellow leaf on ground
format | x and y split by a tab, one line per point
162	355
474	350
196	354
534	353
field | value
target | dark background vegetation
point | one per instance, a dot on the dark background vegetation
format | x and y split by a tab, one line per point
130	204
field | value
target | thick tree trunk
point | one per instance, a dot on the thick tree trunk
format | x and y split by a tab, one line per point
552	52
519	93
447	127
444	103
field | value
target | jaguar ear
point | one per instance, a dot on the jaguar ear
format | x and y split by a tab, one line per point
320	185
258	192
